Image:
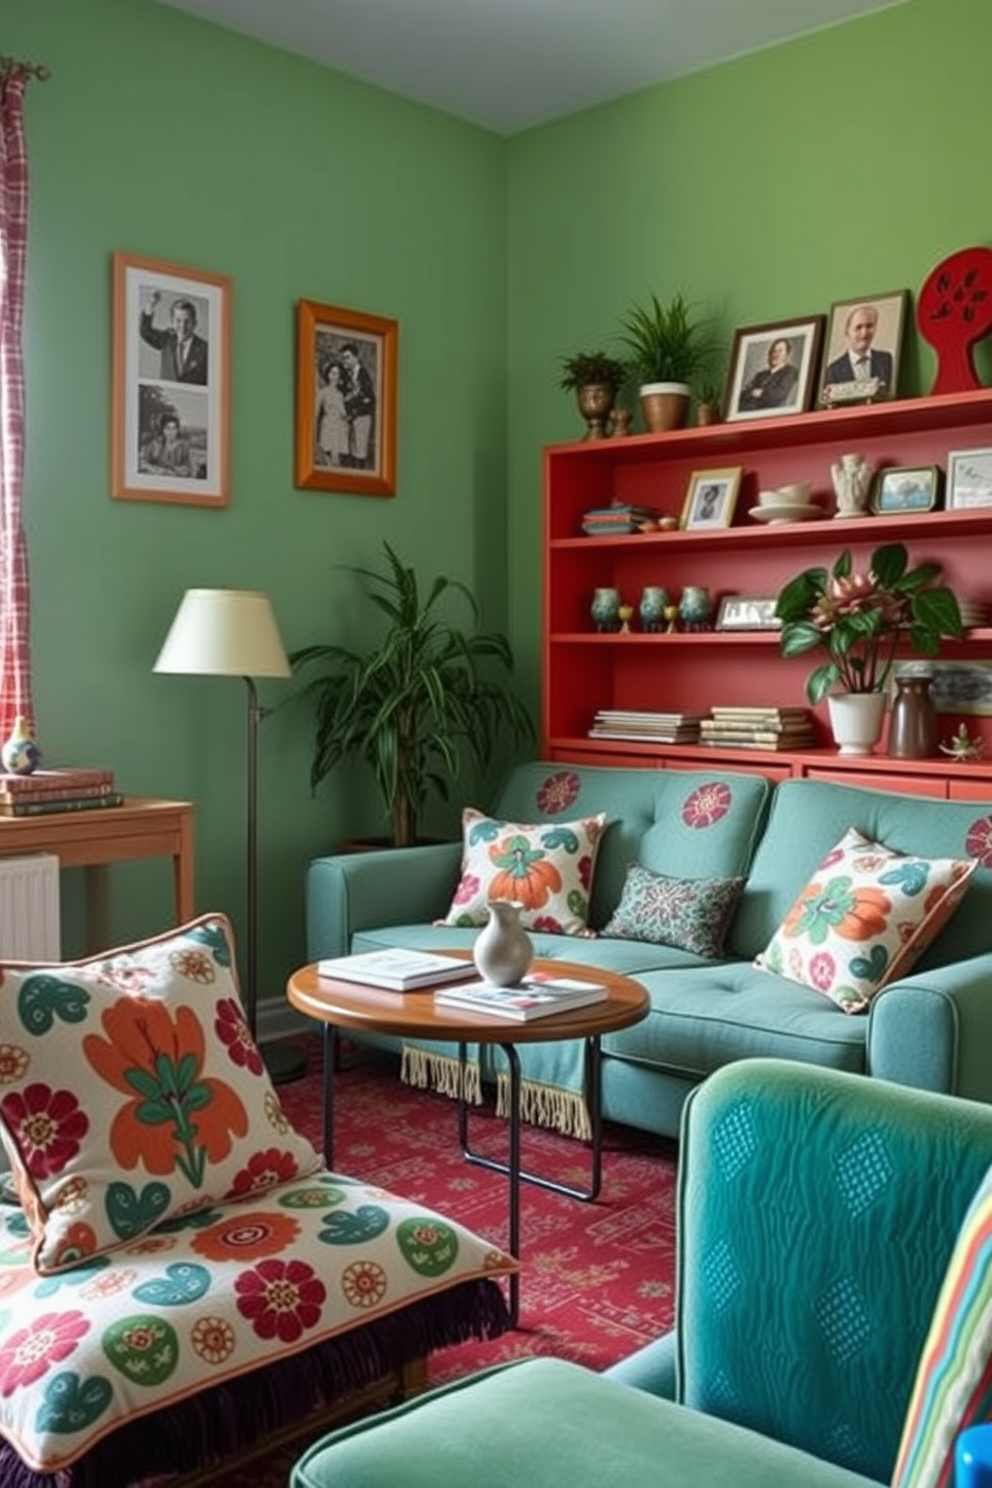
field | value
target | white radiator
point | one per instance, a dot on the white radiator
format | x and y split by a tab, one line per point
29	908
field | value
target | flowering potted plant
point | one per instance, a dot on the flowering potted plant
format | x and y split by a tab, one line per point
860	618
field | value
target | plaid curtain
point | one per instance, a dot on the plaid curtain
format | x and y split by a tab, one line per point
15	660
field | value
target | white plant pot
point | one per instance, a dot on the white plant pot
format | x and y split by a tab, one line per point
856	720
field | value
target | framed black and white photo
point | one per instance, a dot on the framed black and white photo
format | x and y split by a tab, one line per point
969	479
345	400
747	612
171	369
773	368
862	350
906	488
711	497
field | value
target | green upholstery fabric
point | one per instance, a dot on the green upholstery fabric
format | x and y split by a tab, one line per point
817	1214
550	1423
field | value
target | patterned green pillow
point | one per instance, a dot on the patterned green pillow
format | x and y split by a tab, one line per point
953	1386
131	1091
547	868
690	913
864	917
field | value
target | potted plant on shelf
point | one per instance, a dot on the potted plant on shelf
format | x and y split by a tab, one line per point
596	379
708	404
669	349
416	700
859	620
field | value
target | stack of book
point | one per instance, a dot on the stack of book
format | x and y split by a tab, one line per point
758	728
653	728
621	516
975	613
46	791
537	996
394	969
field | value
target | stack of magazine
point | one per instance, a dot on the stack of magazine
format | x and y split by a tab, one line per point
396	970
537	996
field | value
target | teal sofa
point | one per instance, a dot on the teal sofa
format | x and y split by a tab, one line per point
931	1029
817	1214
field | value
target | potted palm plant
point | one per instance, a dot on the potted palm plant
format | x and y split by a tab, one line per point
669	349
859	620
596	379
412	704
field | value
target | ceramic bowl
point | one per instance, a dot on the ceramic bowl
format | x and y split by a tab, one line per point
799	492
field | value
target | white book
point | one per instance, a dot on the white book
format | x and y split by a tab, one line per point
535	997
396	970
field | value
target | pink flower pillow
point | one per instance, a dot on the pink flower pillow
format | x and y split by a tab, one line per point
547	867
131	1092
864	917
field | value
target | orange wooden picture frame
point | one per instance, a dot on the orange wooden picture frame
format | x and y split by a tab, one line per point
346	377
170	395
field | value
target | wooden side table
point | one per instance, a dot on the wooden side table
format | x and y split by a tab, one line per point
144	827
339	1004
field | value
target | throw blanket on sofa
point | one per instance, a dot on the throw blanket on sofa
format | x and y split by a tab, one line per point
556	1100
207	1299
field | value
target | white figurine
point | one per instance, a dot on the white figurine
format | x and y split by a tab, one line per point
852	481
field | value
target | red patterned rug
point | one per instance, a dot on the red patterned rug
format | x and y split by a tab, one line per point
598	1278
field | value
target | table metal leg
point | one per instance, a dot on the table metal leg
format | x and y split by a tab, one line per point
330	1056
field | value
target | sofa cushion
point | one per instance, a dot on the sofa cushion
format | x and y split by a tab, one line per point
690	914
809	817
131	1091
863	918
547	867
953	1386
550	1421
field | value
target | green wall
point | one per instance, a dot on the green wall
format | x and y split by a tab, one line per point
164	136
755	187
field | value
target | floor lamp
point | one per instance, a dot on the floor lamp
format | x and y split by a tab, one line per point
233	633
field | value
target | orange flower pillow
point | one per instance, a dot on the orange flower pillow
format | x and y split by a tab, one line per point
546	867
864	917
131	1092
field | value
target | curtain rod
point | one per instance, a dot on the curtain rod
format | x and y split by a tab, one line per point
33	69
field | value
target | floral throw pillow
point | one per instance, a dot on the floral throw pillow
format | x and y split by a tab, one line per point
131	1092
547	868
863	919
691	914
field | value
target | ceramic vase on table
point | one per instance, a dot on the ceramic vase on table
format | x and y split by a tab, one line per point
503	951
856	720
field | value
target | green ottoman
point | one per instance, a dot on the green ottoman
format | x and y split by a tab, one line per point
550	1424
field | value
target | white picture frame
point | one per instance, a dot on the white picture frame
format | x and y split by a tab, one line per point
969	479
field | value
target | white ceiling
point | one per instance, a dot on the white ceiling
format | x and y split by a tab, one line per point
509	64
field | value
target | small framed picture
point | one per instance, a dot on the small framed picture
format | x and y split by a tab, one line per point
773	368
747	612
863	347
711	497
906	488
345	400
170	383
969	479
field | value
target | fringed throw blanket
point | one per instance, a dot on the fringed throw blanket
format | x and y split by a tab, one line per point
552	1085
319	1280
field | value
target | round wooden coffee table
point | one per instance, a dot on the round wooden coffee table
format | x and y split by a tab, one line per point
338	1004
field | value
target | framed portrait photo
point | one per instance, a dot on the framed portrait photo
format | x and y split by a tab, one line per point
773	368
171	369
711	497
906	488
345	400
748	612
862	350
969	479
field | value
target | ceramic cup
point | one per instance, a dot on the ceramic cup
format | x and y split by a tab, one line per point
798	492
770	498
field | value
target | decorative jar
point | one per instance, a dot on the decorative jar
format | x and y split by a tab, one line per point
503	950
652	607
606	609
20	754
913	728
695	607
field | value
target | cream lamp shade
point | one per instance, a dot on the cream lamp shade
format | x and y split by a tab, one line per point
224	633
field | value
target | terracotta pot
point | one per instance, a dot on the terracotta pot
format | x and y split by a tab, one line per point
664	406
